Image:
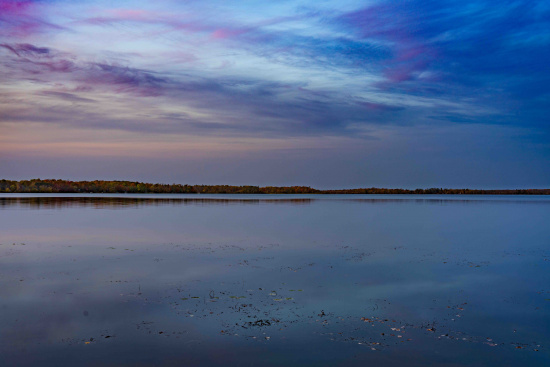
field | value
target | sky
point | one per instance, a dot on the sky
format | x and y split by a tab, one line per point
329	94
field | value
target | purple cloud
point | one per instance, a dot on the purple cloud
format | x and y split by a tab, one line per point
25	49
123	79
387	22
15	7
31	60
34	60
242	106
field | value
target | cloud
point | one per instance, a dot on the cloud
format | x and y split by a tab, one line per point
66	96
379	106
473	36
24	49
393	26
23	18
31	61
123	79
228	106
312	72
15	7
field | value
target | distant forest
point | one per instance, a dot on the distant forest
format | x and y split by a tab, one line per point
64	186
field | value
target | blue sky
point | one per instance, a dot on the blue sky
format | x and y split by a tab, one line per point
321	93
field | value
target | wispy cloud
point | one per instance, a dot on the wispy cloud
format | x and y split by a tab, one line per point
65	96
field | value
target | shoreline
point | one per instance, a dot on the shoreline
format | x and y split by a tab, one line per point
56	186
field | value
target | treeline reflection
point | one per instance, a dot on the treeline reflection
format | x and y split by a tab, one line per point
101	202
120	202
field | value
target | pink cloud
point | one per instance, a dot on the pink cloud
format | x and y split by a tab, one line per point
235	32
412	52
132	14
14	7
224	33
186	22
20	19
169	21
108	16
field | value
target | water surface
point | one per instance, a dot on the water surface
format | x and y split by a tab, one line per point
272	280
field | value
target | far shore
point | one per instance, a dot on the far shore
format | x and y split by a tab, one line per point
52	186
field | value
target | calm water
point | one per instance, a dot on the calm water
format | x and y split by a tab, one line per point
274	280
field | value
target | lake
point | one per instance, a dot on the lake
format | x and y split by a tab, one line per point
274	280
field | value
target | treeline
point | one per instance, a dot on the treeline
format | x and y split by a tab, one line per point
130	187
